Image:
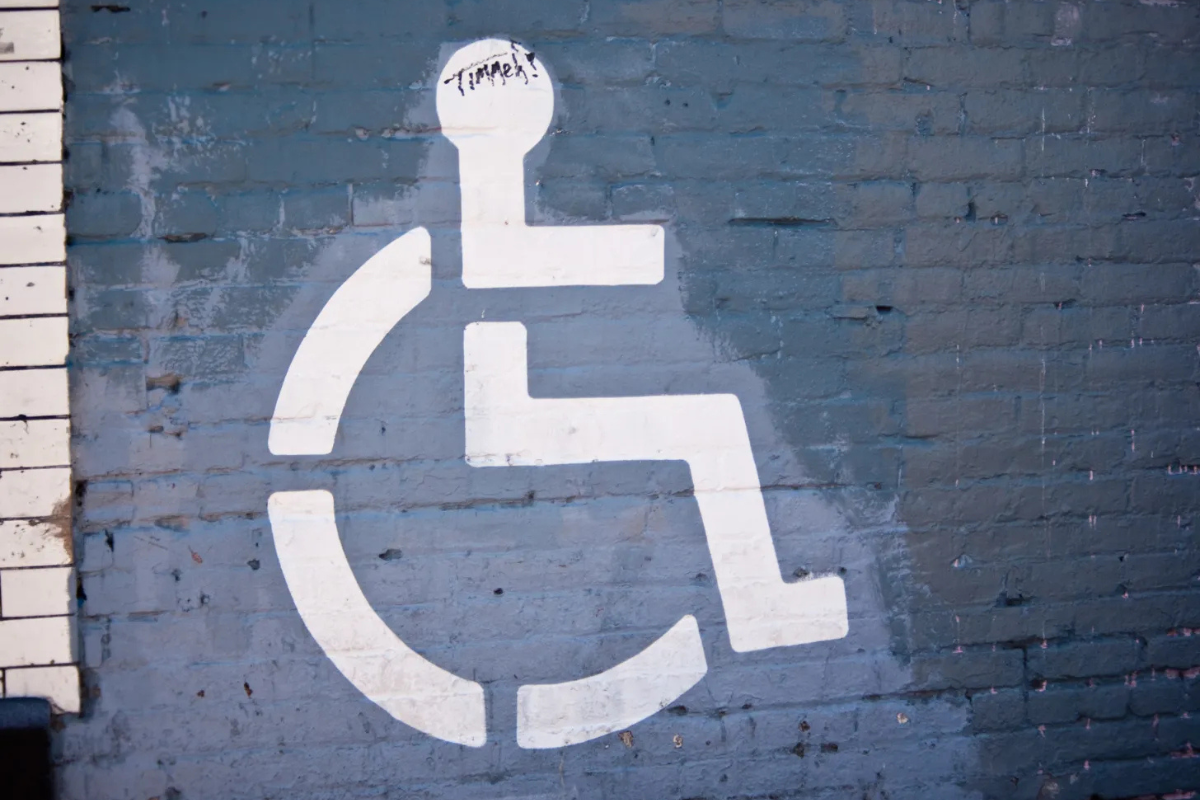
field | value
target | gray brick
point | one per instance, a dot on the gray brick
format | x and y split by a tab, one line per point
1134	283
953	330
325	209
126	27
971	669
251	211
960	66
952	158
875	204
573	198
642	200
224	21
188	215
1179	650
97	214
1057	66
794	201
723	65
1173	154
482	18
903	22
926	418
1140	112
822	21
1129	21
1083	157
919	112
1083	659
998	710
1167	66
1156	695
1013	113
1055	703
364	62
1057	327
941	201
668	17
104	350
604	62
958	244
199	356
1110	66
750	109
163	66
1000	23
307	162
1003	202
116	310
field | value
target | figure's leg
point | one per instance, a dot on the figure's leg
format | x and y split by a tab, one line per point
505	427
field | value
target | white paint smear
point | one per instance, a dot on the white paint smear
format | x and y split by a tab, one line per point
559	714
360	644
349	328
506	427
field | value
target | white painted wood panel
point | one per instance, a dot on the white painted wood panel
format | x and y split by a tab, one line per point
30	137
35	443
31	86
36	642
30	187
32	290
37	342
34	493
36	592
35	544
60	685
34	393
29	35
37	581
36	239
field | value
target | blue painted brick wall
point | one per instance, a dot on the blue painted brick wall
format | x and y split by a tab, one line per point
942	251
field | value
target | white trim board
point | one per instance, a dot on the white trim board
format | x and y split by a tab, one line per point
37	577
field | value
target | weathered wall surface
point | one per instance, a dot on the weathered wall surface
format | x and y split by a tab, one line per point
942	252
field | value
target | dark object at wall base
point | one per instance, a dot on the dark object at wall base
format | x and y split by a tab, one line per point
25	749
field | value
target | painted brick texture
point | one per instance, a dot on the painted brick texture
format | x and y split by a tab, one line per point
943	252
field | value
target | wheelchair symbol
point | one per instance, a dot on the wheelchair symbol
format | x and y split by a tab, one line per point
495	101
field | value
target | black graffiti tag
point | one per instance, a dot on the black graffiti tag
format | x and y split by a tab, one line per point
500	67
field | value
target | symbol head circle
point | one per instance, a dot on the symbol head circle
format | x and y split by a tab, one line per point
497	94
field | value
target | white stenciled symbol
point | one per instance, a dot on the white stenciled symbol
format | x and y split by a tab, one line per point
495	102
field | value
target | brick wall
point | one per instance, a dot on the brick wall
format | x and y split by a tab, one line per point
942	252
37	583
